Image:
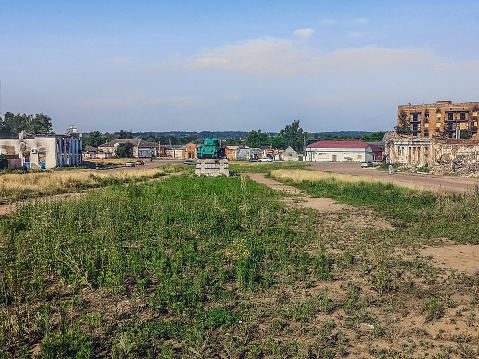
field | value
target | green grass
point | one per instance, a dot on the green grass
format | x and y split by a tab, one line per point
204	267
432	215
264	167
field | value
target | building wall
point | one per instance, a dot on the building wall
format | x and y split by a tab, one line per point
45	151
190	151
421	151
339	154
441	119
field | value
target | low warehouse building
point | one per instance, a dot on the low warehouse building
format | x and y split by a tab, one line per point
342	151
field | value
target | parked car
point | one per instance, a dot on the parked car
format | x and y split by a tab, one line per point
139	163
189	162
253	159
366	164
130	164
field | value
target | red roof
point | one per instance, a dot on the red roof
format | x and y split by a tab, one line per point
375	148
339	144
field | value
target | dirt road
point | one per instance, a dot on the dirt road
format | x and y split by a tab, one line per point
422	181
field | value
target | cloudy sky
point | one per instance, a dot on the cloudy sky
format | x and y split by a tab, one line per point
197	65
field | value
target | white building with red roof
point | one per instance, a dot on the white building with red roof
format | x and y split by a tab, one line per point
342	151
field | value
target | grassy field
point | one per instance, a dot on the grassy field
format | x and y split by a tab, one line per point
197	267
15	187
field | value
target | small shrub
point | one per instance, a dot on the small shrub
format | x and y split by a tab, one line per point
433	309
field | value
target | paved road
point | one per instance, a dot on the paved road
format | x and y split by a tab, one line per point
426	182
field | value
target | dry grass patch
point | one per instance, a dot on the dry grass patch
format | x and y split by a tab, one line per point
14	187
313	176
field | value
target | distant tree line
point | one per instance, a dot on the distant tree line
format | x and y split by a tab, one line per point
292	135
11	125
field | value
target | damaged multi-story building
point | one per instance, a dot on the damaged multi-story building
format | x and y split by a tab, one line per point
43	150
443	119
443	134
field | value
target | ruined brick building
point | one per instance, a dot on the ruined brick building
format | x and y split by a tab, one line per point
442	136
443	119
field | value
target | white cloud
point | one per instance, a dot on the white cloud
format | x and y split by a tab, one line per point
266	56
360	21
304	33
279	57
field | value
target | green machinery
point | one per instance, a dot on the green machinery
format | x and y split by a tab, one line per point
211	149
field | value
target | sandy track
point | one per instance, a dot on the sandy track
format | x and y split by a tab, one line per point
425	182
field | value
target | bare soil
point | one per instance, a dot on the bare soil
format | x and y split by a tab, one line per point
298	197
463	258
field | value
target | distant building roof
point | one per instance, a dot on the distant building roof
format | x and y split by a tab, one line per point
138	142
375	148
339	144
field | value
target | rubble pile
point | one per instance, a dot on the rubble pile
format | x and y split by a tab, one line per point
457	168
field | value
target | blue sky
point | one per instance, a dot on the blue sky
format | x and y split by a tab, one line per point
228	65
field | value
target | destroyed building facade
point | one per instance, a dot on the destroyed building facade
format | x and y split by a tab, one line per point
442	119
442	136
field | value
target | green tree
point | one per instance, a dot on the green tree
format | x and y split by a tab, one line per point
11	125
124	150
125	134
403	126
39	124
3	162
373	137
278	142
257	139
294	136
95	139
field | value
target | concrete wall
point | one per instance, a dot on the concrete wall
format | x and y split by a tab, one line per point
212	168
45	151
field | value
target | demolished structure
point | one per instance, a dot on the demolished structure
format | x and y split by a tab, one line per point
43	150
442	136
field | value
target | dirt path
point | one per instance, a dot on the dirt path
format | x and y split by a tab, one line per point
421	181
298	197
460	257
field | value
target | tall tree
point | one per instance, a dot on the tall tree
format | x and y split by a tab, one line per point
294	136
124	150
11	125
94	139
403	126
257	139
125	134
39	124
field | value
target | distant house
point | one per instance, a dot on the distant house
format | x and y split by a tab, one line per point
231	152
43	150
242	153
175	152
342	151
141	148
90	153
190	151
289	154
